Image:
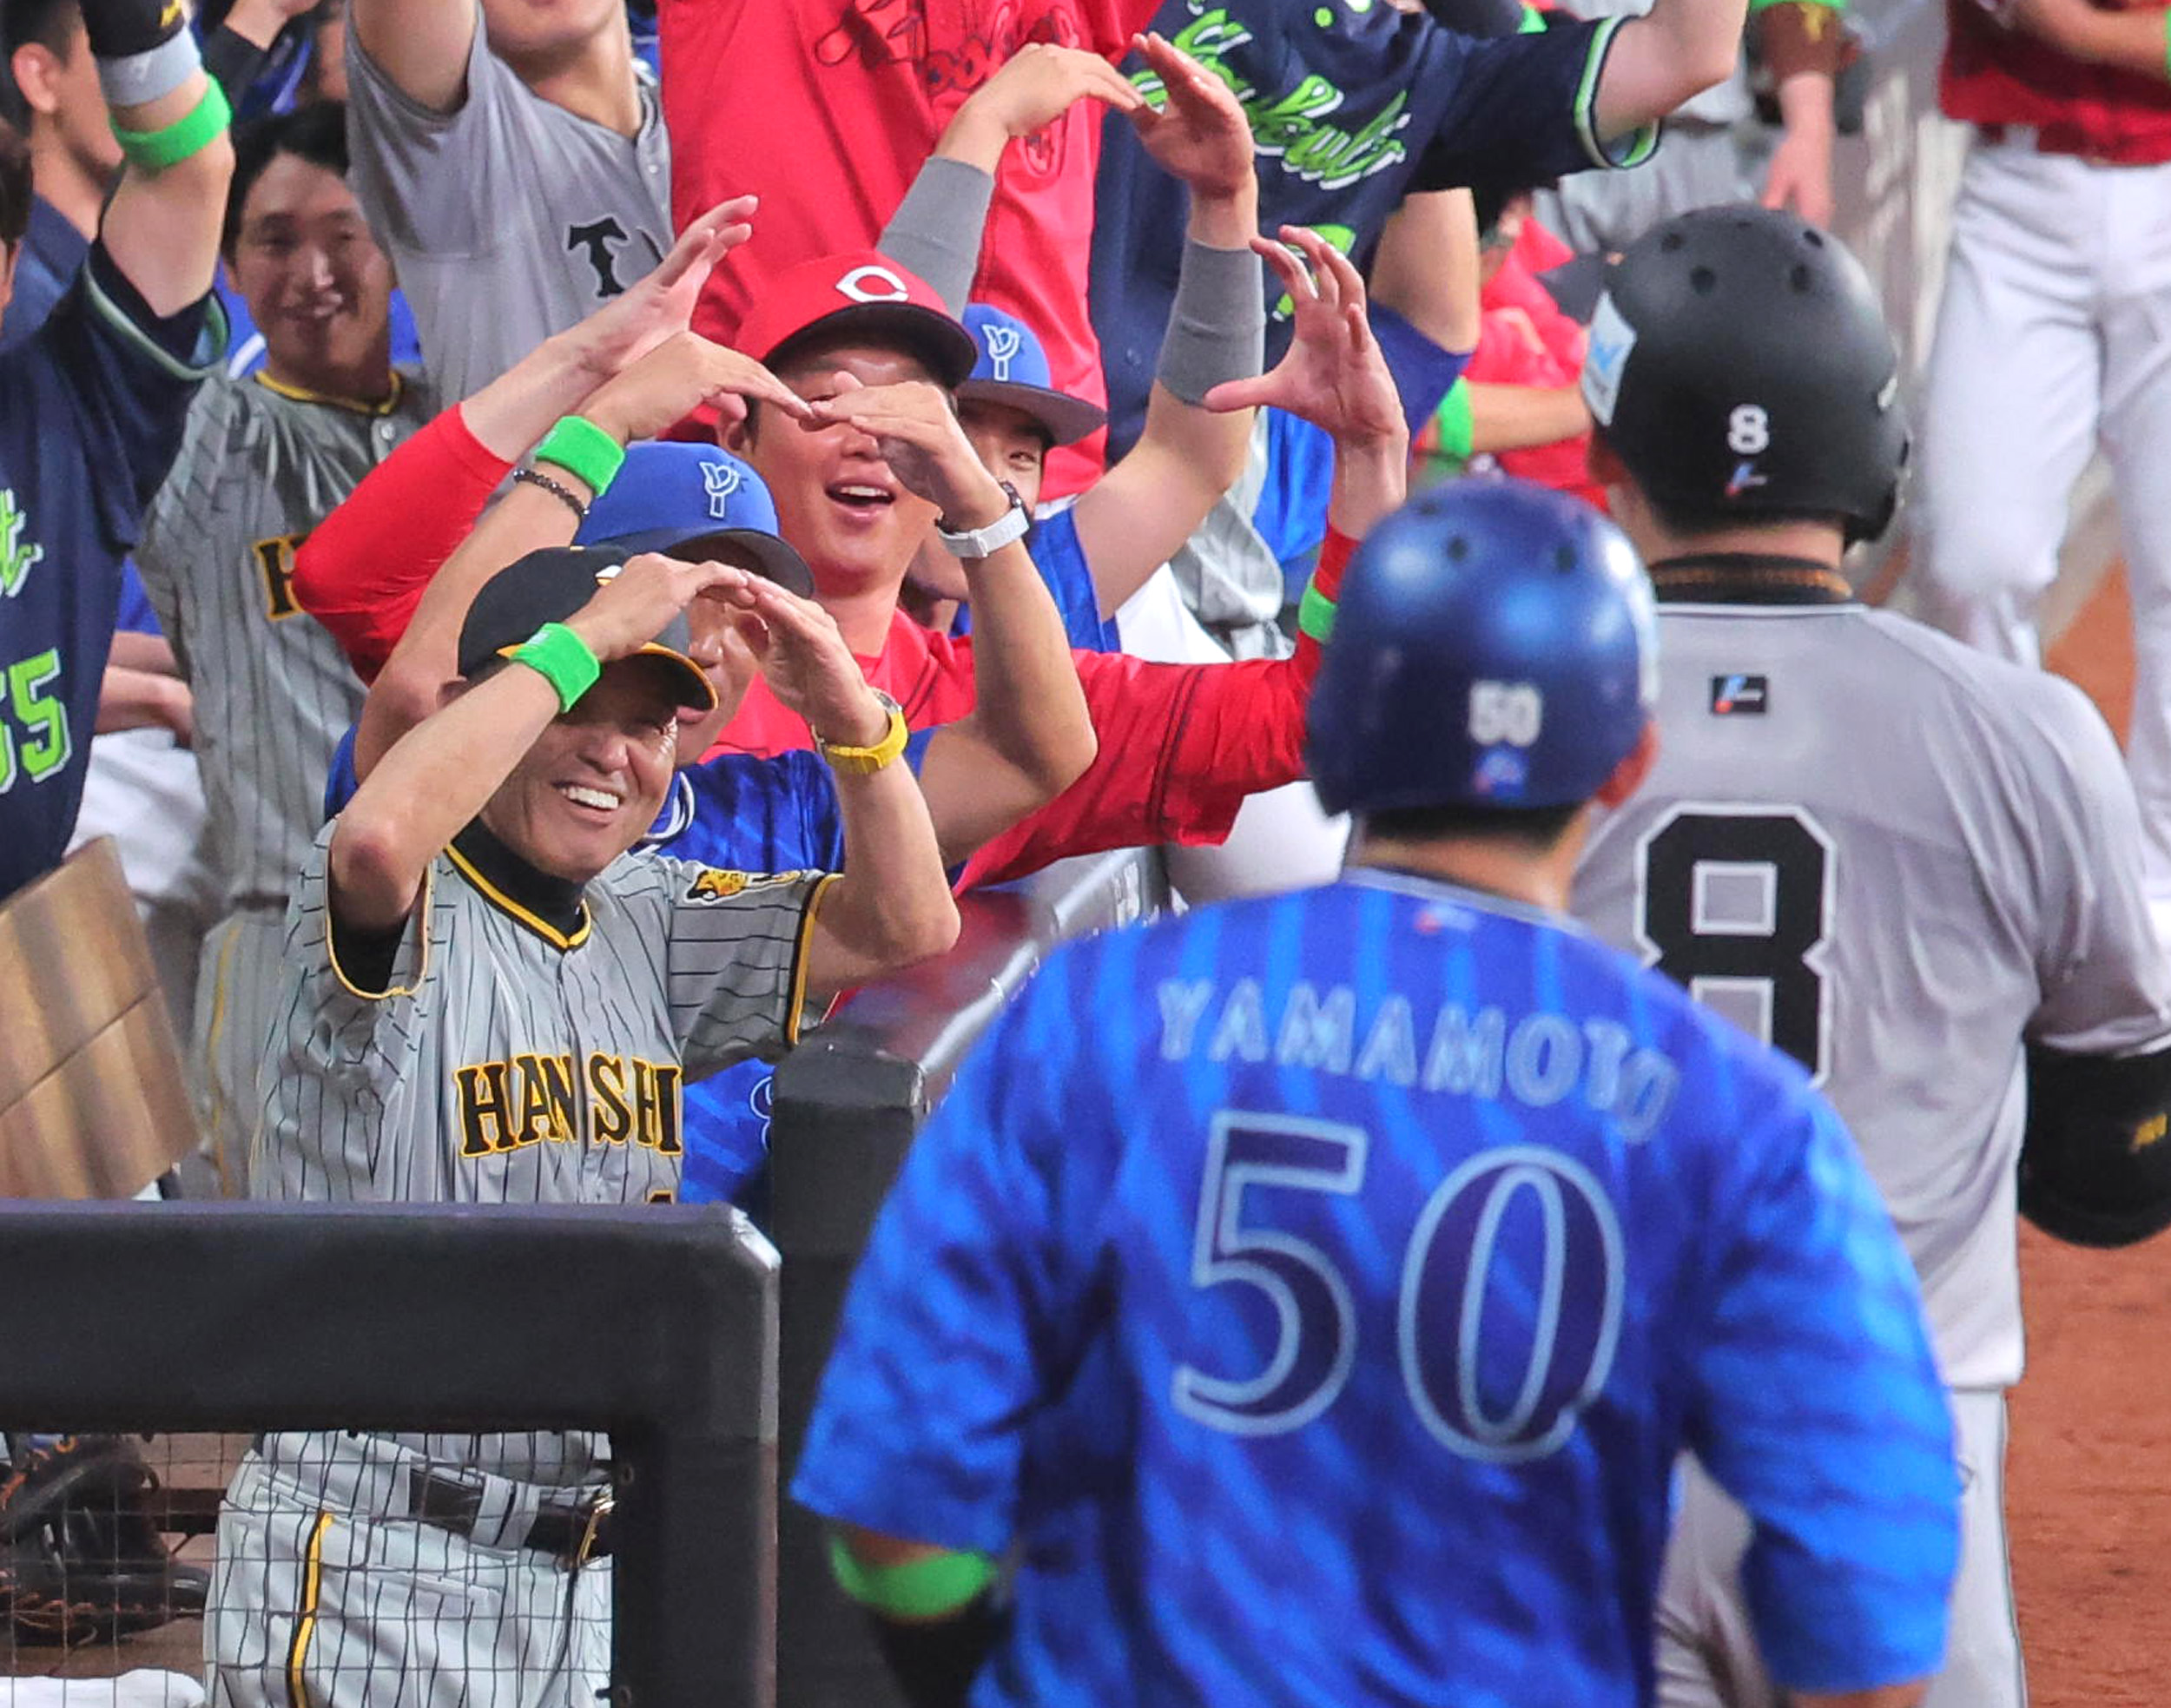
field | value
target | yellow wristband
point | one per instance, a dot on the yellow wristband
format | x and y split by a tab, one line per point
865	761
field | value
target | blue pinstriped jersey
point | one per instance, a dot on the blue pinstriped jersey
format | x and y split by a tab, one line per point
1316	1291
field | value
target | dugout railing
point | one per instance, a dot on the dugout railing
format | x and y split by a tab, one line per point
657	1325
846	1105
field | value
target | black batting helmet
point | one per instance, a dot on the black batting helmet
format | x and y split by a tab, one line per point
1739	365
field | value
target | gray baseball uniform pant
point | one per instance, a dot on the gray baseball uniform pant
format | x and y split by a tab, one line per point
328	1591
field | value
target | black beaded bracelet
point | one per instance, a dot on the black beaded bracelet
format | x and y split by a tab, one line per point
557	490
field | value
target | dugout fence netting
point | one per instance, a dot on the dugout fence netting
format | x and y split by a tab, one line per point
387	1455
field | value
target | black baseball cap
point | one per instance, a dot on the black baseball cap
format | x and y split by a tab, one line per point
551	585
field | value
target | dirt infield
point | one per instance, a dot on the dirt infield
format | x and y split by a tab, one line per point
2090	1479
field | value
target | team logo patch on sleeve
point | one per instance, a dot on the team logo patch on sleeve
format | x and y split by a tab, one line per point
1739	696
714	883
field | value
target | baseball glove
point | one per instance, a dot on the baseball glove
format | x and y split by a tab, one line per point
81	1560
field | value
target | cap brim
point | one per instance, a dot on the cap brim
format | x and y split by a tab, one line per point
1066	419
773	559
689	682
942	343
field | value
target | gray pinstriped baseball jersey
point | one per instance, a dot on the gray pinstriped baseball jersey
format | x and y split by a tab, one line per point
1898	859
510	219
257	470
508	1063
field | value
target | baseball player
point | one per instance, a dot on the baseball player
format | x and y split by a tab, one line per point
1318	1324
262	463
1915	869
91	408
486	1004
2057	289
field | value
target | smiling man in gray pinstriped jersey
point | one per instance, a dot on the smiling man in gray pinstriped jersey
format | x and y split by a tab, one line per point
487	1003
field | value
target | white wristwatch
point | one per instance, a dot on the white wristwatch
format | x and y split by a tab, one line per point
985	541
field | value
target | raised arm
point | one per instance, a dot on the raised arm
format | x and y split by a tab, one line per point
1334	377
937	228
683	373
1657	60
1029	736
1186	457
422	45
161	227
893	904
441	774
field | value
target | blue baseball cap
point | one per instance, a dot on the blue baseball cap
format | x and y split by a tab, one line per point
693	501
1013	369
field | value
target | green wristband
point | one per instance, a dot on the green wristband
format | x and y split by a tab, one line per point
561	658
1453	419
2167	44
1314	614
155	150
926	1589
580	447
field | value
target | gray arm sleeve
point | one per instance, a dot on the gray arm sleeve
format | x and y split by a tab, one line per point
1217	326
937	228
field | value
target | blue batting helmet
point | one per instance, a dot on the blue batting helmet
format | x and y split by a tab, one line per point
1494	645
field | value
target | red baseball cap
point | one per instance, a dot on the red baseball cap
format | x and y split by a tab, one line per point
861	293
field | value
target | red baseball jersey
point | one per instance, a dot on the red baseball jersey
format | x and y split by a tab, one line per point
828	108
1993	76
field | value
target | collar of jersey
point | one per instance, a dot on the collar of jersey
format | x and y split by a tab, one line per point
354	405
1748	578
555	909
1443	889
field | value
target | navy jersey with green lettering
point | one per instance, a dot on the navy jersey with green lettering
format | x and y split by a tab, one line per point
1316	1291
92	410
1352	108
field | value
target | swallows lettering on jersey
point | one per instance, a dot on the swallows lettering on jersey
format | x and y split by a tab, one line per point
18	556
532	1099
1287	124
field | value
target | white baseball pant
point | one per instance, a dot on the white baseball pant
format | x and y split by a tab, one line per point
2054	337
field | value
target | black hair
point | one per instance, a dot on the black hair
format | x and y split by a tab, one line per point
16	192
316	133
1539	828
51	24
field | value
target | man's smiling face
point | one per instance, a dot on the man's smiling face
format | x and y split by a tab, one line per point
596	777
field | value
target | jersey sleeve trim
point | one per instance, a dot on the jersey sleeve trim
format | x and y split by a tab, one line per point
796	1005
418	920
1631	150
148	348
